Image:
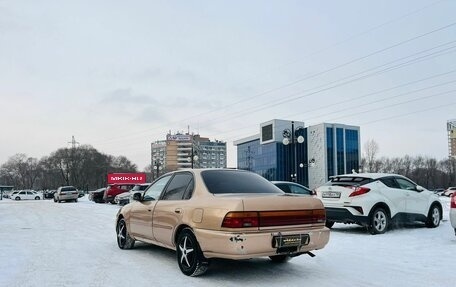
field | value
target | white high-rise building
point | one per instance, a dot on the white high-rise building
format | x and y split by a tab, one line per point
187	151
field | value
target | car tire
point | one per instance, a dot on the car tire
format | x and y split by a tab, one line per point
55	200
190	259
378	221
280	258
17	198
434	215
124	240
329	223
37	198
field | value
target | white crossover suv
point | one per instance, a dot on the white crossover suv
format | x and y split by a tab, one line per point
376	200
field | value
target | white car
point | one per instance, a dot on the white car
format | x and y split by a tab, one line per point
66	193
126	197
26	194
376	200
453	212
449	191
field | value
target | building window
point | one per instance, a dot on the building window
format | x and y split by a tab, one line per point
266	133
340	151
351	150
330	151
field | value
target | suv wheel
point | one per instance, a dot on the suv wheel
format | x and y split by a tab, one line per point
433	219
379	221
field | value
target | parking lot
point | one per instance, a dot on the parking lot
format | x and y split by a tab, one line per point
73	244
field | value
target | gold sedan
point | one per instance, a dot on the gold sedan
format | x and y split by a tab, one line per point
222	213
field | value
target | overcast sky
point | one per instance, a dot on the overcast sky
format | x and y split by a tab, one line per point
119	75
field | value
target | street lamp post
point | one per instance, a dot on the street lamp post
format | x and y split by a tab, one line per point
193	157
295	138
157	166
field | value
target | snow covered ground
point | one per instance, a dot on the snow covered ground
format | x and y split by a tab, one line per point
73	244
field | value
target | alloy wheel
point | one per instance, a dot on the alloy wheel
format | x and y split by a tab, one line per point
186	248
435	216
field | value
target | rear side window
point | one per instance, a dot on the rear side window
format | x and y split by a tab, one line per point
177	186
389	182
349	181
237	181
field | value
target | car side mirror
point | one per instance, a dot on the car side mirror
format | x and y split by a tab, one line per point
137	196
419	188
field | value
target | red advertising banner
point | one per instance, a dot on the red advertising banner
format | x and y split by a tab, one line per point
126	178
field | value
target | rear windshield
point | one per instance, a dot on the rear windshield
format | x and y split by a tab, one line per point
69	188
349	181
236	181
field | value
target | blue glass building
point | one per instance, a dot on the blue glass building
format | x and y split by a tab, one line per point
326	150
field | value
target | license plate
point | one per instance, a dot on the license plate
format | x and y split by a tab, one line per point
290	240
330	194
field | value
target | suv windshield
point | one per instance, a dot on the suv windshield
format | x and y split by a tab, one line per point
236	181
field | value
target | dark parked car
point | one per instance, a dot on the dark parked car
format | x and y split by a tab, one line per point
49	194
97	195
295	188
81	193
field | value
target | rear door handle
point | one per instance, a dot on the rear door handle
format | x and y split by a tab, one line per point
178	210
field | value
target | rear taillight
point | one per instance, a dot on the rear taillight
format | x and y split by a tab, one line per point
240	219
453	201
273	218
358	190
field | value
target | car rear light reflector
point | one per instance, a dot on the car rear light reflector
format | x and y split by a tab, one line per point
358	190
453	201
273	218
240	219
293	217
359	209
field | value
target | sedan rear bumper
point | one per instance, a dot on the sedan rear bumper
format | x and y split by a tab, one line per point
237	245
68	196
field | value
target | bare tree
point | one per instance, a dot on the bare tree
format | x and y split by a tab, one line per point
370	154
21	171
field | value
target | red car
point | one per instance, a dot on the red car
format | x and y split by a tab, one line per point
116	189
